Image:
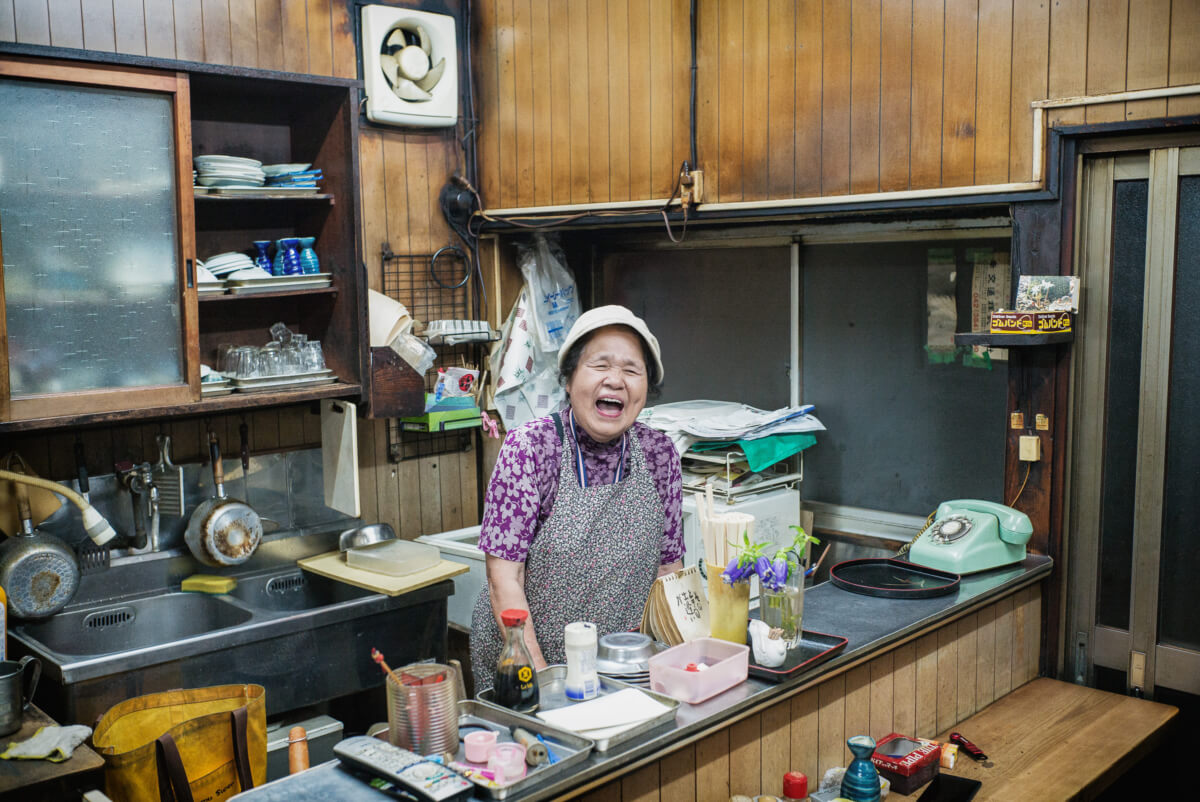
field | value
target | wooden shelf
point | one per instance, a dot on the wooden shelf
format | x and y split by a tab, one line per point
207	299
1012	340
267	196
206	406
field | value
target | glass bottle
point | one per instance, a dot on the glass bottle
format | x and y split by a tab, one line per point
516	685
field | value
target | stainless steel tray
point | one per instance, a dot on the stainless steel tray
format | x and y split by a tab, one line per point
569	748
552	694
294	380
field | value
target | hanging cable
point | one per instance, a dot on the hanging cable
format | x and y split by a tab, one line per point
695	160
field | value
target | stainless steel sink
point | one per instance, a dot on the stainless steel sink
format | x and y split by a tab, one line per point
294	591
135	624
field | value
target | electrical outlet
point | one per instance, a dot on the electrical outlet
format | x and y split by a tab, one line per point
697	186
1030	448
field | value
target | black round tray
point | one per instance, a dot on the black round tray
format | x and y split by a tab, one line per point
892	579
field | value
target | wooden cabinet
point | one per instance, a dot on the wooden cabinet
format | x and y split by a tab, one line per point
272	117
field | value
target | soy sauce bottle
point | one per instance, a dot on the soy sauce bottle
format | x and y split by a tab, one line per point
516	684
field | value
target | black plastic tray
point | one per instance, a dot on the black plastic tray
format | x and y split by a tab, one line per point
892	579
814	648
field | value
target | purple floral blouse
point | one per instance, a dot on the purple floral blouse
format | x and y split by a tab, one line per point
524	484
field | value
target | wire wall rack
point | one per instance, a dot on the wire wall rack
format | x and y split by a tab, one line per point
432	286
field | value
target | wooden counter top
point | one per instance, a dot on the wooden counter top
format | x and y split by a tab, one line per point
18	778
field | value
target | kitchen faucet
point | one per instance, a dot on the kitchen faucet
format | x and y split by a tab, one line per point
143	493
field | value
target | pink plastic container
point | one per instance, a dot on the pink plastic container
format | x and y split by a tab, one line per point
727	666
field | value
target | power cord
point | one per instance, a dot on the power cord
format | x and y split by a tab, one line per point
928	523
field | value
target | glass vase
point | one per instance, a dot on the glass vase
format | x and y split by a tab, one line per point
728	606
860	783
784	608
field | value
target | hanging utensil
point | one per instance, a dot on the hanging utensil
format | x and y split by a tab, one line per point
38	571
222	531
81	471
168	478
244	436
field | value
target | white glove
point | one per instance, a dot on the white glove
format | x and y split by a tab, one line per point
51	743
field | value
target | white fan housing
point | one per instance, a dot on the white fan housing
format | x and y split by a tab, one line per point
410	67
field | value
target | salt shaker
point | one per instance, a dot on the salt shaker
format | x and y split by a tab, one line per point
583	682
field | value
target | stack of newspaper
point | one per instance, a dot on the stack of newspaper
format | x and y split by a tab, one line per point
688	422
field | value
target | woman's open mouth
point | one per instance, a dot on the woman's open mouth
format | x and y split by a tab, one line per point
610	407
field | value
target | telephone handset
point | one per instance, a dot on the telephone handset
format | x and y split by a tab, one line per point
970	535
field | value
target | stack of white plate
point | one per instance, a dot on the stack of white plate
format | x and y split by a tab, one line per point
222	264
228	171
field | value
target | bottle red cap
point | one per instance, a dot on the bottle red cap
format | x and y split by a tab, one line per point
795	785
514	616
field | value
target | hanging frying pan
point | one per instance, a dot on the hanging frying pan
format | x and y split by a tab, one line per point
222	531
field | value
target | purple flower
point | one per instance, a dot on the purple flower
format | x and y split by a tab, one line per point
780	569
731	573
762	567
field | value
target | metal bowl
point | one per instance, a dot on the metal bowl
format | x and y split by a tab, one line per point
625	647
365	536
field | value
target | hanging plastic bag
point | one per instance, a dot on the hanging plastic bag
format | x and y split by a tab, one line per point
555	299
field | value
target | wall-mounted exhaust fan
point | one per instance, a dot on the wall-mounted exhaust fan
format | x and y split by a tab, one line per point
410	67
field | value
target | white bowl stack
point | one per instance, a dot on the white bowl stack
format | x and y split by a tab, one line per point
228	171
223	264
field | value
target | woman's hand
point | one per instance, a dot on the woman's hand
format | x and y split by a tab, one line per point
506	586
670	568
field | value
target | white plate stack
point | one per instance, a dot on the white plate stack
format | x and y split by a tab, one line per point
228	171
223	264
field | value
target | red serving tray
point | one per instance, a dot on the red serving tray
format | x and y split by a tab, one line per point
814	648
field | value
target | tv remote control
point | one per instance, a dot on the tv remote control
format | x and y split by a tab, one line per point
423	779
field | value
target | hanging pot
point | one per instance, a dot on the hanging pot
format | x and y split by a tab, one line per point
39	572
222	531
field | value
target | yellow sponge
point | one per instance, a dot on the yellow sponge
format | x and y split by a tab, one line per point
208	583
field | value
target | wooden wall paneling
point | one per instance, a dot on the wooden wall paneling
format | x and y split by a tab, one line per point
985	655
993	97
895	93
967	665
865	97
541	123
506	67
561	147
487	103
958	94
1004	646
320	38
452	497
947	676
835	99
369	466
681	82
927	682
1030	66
216	20
755	101
712	767
57	457
66	23
468	478
32	21
927	55
641	785
619	135
1067	69
660	109
776	747
1031	635
605	793
345	55
640	122
599	158
291	427
677	776
264	432
268	16
293	17
1147	60
99	24
883	693
808	132
781	102
1020	651
577	36
804	733
1108	37
160	28
831	722
8	22
243	33
189	30
1183	66
858	706
904	688
731	85
745	756
708	97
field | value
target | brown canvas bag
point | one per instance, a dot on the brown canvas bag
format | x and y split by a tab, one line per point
193	745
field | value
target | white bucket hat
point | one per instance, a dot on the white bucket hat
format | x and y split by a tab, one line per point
612	315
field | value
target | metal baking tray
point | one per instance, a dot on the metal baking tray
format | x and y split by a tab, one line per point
569	748
814	648
552	694
276	382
